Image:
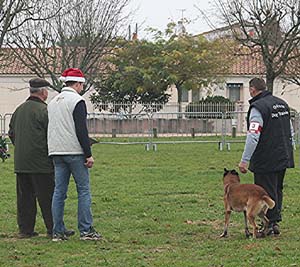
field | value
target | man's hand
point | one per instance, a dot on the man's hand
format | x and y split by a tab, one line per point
89	162
243	167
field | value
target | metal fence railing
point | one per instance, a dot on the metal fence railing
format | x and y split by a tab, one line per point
168	124
4	123
1	127
128	108
145	127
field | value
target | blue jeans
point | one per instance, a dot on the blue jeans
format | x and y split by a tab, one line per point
65	166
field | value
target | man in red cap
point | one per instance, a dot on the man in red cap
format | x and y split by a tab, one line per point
69	146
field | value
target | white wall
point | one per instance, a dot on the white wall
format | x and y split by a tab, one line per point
14	90
289	92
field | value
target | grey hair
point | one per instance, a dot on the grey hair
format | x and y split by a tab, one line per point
36	89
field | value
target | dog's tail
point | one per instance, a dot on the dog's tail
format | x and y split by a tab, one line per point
270	202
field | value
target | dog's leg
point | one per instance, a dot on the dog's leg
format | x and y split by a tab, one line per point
265	220
227	216
251	219
247	232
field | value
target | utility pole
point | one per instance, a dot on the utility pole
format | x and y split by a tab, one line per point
182	10
129	33
180	23
134	35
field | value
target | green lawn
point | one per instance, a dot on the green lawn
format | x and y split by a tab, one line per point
141	203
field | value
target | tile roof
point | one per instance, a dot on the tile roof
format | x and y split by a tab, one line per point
244	63
11	65
248	64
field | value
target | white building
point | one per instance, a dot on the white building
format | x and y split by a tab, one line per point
14	86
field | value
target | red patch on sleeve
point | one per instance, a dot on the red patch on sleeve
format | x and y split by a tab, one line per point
254	127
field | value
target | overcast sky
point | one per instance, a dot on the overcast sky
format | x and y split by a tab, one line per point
158	13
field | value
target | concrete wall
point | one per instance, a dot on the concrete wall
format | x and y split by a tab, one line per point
143	127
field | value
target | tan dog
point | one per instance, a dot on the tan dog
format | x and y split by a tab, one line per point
252	199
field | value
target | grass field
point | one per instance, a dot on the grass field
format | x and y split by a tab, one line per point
155	208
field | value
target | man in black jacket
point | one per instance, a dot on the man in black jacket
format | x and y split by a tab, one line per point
34	169
268	145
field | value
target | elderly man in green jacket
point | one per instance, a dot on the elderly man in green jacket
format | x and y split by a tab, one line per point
34	169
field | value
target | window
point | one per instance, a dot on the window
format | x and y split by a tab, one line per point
185	95
195	95
234	91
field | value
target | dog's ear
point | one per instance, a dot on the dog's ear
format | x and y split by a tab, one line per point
234	172
225	171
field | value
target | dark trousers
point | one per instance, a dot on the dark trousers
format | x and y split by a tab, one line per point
273	184
32	187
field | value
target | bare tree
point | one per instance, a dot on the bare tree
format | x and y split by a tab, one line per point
77	34
270	27
292	71
14	13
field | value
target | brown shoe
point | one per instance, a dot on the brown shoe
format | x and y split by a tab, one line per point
28	235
